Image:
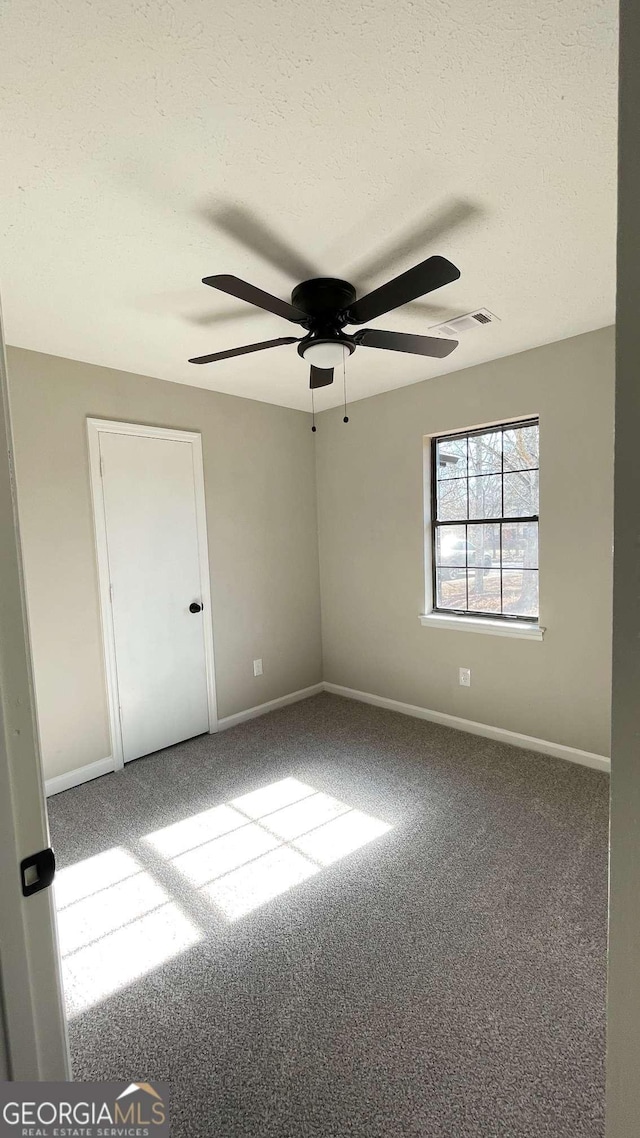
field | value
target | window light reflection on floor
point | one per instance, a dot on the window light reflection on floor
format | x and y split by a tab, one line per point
88	876
115	923
273	839
252	885
192	831
342	836
222	855
272	797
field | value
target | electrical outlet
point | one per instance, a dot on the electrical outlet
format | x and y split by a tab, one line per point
257	668
465	677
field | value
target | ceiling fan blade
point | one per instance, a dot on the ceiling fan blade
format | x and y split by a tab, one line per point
421	235
243	226
423	278
243	350
320	377
403	342
235	287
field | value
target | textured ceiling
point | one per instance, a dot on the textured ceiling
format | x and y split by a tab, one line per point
139	137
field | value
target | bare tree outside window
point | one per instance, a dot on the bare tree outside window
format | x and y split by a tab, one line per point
485	521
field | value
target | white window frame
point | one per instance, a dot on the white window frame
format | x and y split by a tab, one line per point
429	618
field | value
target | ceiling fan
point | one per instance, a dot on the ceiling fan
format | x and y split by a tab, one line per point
324	306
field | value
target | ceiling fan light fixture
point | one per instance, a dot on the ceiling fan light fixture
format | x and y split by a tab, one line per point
326	353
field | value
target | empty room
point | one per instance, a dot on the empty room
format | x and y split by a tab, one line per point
307	601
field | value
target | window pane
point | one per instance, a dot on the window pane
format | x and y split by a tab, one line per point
520	545
484	590
451	458
452	500
489	564
520	592
483	546
451	546
521	450
521	494
485	499
485	453
451	589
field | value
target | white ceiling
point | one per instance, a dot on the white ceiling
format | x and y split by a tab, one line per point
137	136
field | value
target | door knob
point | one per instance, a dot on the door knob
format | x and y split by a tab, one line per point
195	607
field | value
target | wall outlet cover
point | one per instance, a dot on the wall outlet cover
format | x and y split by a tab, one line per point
257	667
465	677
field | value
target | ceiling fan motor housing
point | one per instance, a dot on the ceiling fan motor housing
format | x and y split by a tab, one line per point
322	298
325	301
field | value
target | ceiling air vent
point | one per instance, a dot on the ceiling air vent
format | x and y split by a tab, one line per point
466	323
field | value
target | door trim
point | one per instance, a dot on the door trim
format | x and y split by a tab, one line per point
33	1026
96	427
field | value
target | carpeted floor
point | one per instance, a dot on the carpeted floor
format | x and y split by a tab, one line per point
446	979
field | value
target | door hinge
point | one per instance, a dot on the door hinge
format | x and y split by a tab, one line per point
101	466
111	593
38	871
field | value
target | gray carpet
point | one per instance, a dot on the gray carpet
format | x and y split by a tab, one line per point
447	978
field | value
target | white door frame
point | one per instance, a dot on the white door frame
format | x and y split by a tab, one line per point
96	427
32	1016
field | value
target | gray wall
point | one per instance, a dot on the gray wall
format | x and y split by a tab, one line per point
623	1045
371	546
260	485
261	511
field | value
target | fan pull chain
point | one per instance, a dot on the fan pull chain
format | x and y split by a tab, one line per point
344	389
313	411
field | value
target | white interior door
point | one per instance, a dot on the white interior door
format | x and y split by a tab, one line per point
155	567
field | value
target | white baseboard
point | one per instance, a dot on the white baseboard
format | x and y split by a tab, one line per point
106	766
272	705
528	742
81	774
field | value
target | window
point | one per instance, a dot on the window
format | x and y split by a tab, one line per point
484	503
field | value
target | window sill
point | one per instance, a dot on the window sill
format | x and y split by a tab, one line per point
519	629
